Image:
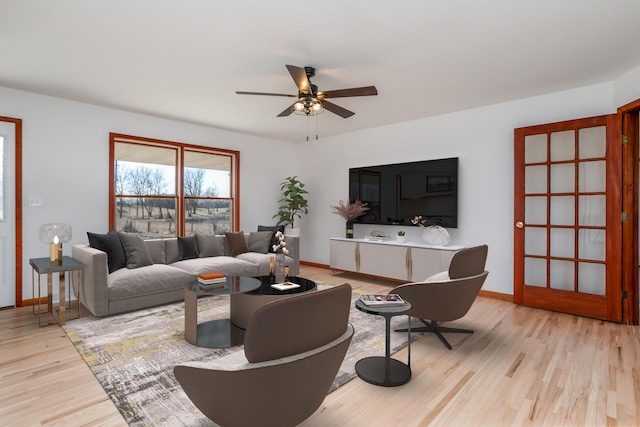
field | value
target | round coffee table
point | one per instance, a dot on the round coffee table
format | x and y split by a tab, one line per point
217	333
243	305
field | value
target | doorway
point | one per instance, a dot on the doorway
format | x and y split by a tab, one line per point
10	212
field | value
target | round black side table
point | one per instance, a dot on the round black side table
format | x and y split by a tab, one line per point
380	370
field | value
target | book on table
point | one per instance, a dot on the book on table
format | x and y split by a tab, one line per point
382	300
211	278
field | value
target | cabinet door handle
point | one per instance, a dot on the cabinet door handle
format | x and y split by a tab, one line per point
409	265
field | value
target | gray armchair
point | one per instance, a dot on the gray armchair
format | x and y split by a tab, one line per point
448	295
293	349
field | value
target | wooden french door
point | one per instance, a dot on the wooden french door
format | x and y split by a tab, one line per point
568	217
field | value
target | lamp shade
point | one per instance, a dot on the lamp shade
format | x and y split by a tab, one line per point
49	232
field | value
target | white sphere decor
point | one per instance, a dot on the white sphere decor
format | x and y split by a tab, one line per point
435	235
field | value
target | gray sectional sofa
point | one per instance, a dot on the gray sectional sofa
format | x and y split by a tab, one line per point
161	279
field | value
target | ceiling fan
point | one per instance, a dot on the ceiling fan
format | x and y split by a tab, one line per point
311	102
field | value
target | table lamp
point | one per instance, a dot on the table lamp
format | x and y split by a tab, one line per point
55	235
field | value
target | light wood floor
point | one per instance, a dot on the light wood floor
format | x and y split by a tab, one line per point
522	366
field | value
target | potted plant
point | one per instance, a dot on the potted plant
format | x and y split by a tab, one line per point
292	204
401	236
350	212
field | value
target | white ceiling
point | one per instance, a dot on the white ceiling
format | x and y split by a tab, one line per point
185	59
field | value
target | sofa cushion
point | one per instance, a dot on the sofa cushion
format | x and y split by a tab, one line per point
156	250
150	279
273	229
110	244
226	265
137	253
172	254
259	241
208	245
187	247
237	242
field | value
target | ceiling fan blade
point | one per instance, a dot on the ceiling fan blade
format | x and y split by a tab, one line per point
239	92
286	112
343	93
336	109
300	77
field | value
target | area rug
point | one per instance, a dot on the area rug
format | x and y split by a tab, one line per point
132	355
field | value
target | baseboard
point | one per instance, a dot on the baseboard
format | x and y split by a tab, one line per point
315	264
496	295
34	301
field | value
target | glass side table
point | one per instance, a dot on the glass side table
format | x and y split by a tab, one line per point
383	370
42	266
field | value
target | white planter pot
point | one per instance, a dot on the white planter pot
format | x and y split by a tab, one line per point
290	231
402	239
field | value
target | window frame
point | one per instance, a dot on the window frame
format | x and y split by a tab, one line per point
180	147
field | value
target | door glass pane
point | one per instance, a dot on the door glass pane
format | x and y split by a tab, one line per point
561	275
592	142
535	179
535	272
562	210
592	176
591	278
562	242
592	210
535	210
591	244
535	148
535	241
563	146
563	178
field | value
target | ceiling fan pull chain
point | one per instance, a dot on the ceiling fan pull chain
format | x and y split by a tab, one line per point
316	127
307	128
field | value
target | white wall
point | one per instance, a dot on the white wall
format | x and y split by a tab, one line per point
65	156
483	140
627	88
65	160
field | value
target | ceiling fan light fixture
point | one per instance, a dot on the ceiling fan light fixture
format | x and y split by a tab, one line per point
307	106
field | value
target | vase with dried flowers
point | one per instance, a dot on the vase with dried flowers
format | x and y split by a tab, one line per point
350	212
280	250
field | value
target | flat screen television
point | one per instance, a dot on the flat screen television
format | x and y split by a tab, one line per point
396	193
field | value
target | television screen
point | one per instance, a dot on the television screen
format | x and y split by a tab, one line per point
397	193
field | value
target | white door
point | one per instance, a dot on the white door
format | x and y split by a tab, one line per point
7	215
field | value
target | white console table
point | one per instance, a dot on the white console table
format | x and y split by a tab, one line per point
410	261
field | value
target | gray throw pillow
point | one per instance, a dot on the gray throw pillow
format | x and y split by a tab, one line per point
208	245
111	244
137	253
187	247
273	229
259	241
237	243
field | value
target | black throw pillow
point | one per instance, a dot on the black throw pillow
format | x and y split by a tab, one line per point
111	244
188	248
273	229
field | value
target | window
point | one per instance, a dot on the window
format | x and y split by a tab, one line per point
167	189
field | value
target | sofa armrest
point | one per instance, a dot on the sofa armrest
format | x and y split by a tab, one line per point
293	245
93	294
